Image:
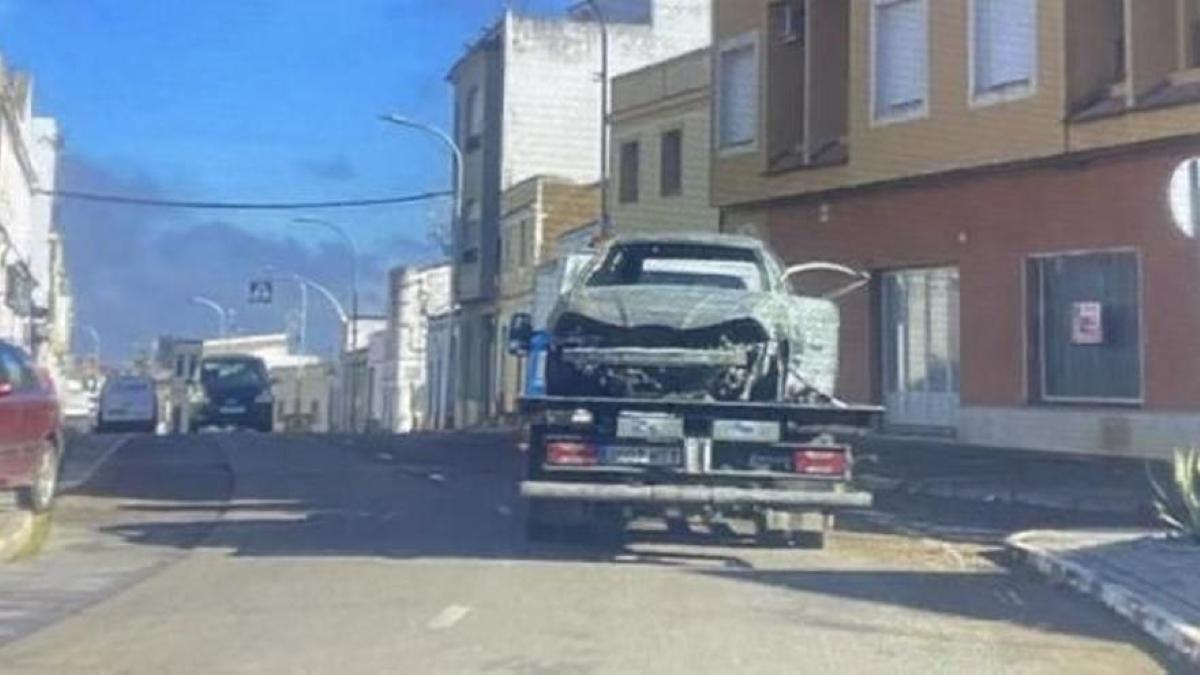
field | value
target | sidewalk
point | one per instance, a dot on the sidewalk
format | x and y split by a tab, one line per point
16	526
1147	578
934	468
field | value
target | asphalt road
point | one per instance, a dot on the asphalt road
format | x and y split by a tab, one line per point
261	554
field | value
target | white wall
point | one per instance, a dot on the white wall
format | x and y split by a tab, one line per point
43	150
419	293
551	92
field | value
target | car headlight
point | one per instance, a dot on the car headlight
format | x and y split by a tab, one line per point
264	397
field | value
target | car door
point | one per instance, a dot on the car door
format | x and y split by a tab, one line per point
13	403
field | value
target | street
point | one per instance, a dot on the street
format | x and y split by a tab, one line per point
267	554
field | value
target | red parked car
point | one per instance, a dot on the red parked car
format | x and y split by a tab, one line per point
30	430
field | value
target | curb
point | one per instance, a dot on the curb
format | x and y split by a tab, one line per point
1178	635
16	530
918	488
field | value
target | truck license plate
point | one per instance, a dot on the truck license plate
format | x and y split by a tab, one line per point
644	456
650	426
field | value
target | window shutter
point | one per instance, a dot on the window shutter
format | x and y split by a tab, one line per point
901	56
739	95
1005	43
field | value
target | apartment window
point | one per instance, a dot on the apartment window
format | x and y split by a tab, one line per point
1191	27
1004	47
1085	327
630	171
474	122
787	21
671	163
737	110
900	58
523	242
470	256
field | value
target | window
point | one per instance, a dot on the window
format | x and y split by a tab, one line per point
633	264
900	60
1085	328
470	256
737	110
523	242
1191	38
12	370
474	121
1004	46
787	20
630	172
671	163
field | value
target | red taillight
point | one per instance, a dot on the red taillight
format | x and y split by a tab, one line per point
823	461
571	453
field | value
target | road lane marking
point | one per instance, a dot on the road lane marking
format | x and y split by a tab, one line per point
436	477
448	617
385	456
67	485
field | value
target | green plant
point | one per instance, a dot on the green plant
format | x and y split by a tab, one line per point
1179	505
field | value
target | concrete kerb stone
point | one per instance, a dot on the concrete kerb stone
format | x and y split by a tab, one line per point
1156	621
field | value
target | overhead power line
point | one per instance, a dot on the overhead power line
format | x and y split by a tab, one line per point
242	206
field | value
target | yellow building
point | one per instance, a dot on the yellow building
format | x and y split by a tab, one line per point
534	213
660	149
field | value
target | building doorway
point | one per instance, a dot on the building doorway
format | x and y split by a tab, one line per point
921	349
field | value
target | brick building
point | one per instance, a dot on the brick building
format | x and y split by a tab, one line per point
1016	175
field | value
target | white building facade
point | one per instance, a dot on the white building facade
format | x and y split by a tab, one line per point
35	311
527	103
414	293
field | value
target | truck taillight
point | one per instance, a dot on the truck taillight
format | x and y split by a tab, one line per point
821	461
571	453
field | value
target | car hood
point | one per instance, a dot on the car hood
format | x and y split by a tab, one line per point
676	307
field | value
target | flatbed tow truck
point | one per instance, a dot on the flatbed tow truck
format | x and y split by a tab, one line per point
618	434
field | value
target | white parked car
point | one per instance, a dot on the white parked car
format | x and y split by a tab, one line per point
128	403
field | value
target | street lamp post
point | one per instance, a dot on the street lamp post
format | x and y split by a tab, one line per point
95	335
456	154
353	327
455	151
222	313
341	232
602	21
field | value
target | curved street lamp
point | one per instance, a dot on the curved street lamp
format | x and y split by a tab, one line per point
455	152
221	312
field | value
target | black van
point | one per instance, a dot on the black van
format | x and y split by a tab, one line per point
232	391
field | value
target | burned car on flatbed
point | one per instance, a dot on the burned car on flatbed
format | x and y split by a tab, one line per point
683	377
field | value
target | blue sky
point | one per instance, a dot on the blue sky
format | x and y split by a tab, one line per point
237	100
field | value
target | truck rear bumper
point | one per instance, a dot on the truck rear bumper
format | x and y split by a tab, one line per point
692	495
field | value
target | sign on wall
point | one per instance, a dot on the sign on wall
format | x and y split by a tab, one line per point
1087	323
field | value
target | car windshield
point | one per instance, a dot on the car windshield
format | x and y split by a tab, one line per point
667	264
129	385
232	373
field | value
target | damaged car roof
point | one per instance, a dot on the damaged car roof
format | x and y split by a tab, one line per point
730	240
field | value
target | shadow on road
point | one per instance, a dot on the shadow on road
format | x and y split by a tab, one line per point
454	499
